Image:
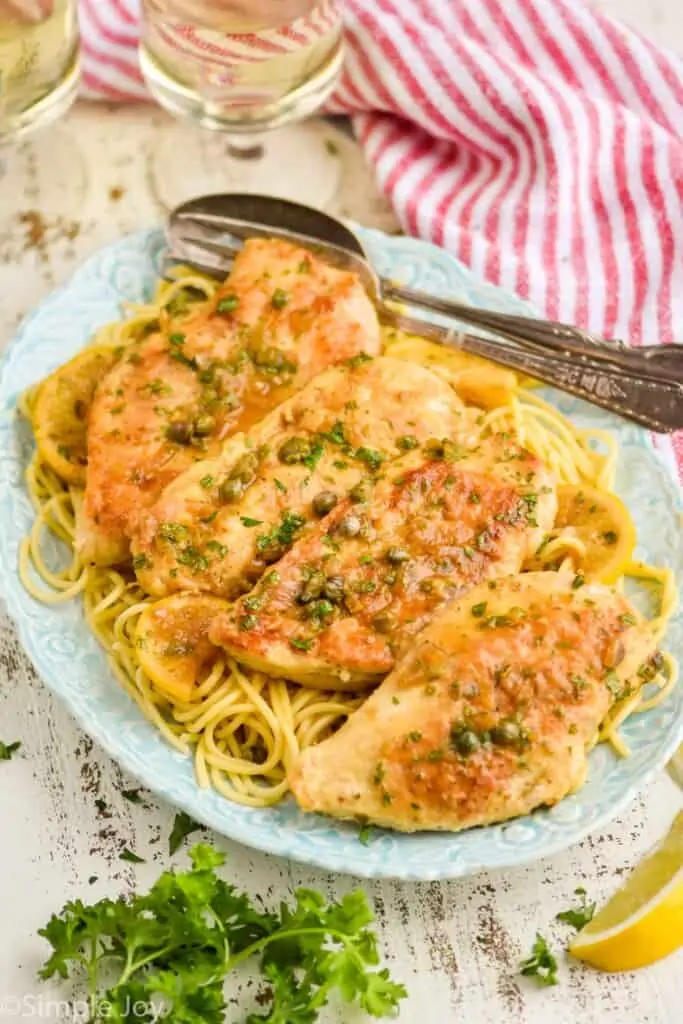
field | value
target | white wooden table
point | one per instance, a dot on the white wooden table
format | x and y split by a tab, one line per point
455	945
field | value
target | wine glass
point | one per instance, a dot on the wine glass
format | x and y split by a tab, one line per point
250	71
39	76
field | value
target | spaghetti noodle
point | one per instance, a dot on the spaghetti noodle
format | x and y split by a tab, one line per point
243	728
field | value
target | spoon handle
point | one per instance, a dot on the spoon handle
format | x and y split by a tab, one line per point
657	405
547	335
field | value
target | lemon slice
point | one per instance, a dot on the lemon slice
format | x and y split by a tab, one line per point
601	529
675	767
173	641
59	412
643	922
475	380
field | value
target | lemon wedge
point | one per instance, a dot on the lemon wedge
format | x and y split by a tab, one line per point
173	641
475	380
675	767
599	530
59	411
643	922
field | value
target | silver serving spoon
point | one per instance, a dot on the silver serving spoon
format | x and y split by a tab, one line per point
650	398
209	219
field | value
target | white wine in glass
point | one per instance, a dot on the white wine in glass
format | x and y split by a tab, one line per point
242	68
39	76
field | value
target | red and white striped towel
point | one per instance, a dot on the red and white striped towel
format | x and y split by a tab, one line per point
538	140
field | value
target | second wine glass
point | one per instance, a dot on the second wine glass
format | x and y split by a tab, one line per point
249	71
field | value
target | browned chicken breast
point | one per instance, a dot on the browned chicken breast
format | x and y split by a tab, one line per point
219	525
339	608
280	318
491	713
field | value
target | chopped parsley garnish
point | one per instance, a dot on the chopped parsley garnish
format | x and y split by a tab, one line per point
578	581
301	644
312	458
541	965
478	610
280	486
627	619
407	443
372	459
248	521
183	826
8	749
193	558
173	532
215	545
206	482
248	622
282	535
141	562
176	339
358	360
579	916
364	835
131	857
336	434
180	357
280	298
228	304
610	537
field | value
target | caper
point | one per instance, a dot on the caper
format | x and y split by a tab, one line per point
231	489
465	742
384	622
273	553
312	589
349	526
179	432
204	425
269	356
435	449
320	610
245	468
615	654
360	491
334	588
506	734
324	502
294	449
397	555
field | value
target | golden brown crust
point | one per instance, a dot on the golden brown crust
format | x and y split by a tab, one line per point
490	715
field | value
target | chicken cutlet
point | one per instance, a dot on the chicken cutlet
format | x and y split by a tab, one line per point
342	604
218	526
173	398
490	715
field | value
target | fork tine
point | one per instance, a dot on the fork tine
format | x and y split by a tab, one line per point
218	248
214	270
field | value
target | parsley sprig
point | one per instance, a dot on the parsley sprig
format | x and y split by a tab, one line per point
541	965
579	916
179	941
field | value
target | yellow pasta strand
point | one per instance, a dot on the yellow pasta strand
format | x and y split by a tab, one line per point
243	729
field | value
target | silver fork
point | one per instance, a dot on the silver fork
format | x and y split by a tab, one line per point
658	361
651	399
